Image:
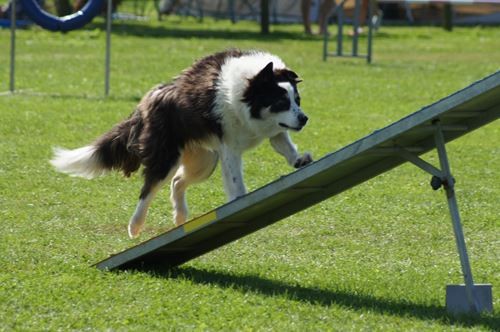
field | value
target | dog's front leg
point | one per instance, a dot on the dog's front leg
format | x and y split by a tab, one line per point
282	143
232	173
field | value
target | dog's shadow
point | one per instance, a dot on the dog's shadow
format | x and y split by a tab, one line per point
316	296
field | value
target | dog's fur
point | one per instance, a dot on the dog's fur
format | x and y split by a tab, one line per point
222	105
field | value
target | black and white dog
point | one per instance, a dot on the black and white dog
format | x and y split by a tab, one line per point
222	105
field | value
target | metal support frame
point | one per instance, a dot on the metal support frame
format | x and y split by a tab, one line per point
470	298
107	60
339	10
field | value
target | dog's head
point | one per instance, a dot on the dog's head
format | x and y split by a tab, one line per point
272	96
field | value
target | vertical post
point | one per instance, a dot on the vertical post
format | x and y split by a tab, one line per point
340	23
325	46
108	48
12	45
357	8
448	183
232	13
274	12
200	9
371	12
448	17
264	17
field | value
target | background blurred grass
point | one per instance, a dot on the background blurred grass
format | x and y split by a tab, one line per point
376	257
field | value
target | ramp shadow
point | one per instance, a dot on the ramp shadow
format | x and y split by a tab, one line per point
324	297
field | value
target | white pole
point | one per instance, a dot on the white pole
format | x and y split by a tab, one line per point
108	48
12	45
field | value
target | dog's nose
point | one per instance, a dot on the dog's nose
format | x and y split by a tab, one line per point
302	119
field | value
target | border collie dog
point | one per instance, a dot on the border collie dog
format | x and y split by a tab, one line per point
222	105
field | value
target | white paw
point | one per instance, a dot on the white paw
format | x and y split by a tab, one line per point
304	160
179	218
135	227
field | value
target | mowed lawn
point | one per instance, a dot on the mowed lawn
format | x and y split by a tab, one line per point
377	257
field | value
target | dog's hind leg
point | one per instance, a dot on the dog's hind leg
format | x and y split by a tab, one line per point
152	184
138	219
197	164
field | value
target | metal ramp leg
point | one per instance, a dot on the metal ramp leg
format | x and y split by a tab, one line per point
468	298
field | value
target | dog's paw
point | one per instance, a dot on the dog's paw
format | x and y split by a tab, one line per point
135	227
134	231
179	218
304	160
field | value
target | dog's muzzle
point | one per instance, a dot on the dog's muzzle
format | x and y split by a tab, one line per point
302	120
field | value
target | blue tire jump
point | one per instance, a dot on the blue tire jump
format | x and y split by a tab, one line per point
65	23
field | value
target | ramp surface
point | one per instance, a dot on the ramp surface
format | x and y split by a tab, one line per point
458	114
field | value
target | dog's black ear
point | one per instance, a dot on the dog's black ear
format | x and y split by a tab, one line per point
286	75
266	74
293	77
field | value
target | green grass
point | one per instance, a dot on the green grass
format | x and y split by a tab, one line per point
376	257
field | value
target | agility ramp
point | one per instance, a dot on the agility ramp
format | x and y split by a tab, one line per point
403	141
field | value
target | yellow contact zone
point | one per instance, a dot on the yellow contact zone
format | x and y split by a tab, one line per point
200	221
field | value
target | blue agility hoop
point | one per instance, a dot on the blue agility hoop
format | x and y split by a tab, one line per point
65	23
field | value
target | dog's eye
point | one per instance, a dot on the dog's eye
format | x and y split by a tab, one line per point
282	104
297	100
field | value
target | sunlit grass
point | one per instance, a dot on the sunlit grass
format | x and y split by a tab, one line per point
377	257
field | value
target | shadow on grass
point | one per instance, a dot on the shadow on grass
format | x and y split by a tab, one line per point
155	31
224	33
324	297
68	96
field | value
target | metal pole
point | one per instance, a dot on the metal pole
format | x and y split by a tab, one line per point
340	23
355	27
371	11
108	48
448	183
12	45
264	17
232	13
325	45
448	17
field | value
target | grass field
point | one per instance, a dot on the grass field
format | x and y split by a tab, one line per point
376	257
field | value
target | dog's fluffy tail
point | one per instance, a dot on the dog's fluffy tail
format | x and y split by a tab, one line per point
117	149
83	162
